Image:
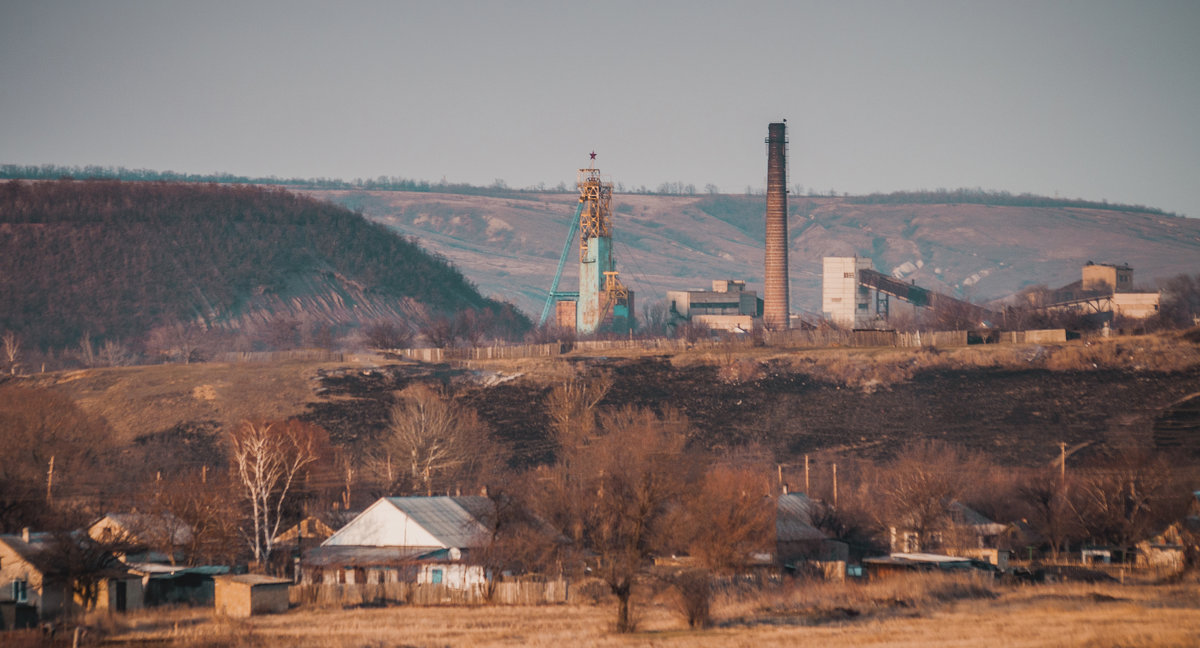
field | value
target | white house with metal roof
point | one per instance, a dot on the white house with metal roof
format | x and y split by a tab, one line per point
420	539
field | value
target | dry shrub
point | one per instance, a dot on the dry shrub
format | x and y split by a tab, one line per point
693	597
871	369
817	598
742	370
1145	353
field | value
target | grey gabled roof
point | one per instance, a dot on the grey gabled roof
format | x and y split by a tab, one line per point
793	519
456	521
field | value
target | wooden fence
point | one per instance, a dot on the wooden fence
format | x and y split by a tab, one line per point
506	593
784	339
300	355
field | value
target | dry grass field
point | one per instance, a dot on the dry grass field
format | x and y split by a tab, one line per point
151	398
909	612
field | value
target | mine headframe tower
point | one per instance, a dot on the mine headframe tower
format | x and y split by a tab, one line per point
603	302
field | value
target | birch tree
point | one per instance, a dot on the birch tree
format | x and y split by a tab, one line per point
268	457
12	350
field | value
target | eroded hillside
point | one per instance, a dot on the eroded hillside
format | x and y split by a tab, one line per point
509	246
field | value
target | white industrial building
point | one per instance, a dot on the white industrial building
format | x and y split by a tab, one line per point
844	300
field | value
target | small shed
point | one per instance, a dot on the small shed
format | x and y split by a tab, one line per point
244	595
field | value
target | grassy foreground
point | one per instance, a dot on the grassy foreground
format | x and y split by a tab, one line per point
909	613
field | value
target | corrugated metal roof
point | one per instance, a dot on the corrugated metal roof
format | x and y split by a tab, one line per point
452	520
793	519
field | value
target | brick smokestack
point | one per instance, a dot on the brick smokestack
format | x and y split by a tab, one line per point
776	306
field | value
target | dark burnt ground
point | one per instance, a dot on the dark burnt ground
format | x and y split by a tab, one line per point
357	401
1177	429
1017	417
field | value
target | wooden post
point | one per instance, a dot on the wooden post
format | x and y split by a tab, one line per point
50	481
1062	473
807	488
834	485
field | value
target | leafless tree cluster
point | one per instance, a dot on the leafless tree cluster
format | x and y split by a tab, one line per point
434	443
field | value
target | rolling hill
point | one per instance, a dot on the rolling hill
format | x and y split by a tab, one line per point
111	260
983	250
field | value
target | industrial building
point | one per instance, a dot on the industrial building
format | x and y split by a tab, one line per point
845	301
727	307
602	303
1105	290
854	295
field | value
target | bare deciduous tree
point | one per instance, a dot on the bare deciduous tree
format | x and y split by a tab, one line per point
613	502
12	350
439	331
473	326
86	353
434	442
655	316
38	427
385	334
729	517
919	484
115	354
268	458
1124	499
1051	511
178	340
572	410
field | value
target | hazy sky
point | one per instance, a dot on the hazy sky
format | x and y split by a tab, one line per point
1090	99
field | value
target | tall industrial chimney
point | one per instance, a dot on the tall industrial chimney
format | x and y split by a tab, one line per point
776	307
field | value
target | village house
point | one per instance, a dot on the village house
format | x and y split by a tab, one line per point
423	540
1170	548
147	538
964	532
305	534
33	573
802	546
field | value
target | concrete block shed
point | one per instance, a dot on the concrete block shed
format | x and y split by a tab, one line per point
245	595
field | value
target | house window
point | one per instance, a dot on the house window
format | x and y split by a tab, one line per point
20	591
435	577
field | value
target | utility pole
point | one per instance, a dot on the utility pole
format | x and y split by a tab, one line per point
834	485
807	488
50	481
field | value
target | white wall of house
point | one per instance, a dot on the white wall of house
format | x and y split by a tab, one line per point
19	580
453	575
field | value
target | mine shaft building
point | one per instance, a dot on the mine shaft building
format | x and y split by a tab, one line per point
603	303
